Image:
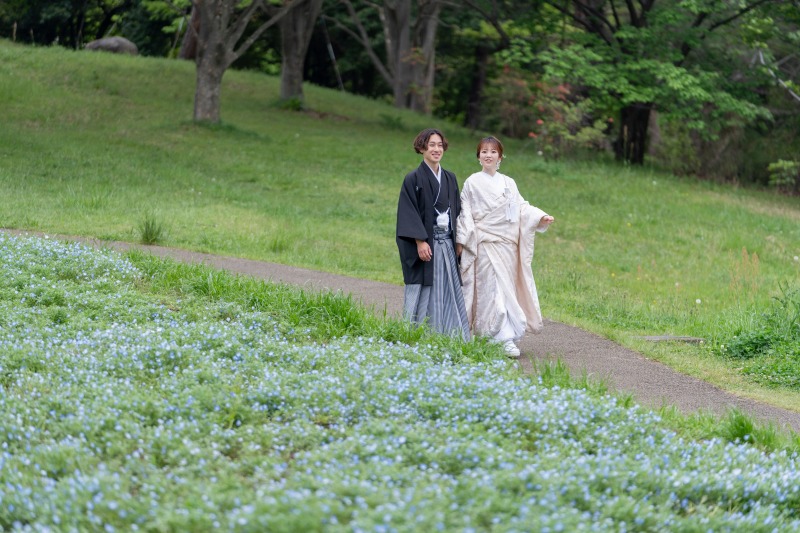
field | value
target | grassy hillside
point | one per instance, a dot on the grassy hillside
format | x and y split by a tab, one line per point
97	145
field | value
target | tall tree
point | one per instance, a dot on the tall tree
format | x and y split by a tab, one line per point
296	29
498	24
409	31
483	41
222	25
643	55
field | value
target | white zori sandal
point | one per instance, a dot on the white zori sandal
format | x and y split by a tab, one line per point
511	348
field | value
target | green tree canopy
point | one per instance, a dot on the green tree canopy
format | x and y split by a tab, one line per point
665	55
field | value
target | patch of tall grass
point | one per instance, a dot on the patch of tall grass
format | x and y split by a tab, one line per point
767	345
152	230
735	426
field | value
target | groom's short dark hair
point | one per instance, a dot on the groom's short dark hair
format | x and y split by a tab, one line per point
421	142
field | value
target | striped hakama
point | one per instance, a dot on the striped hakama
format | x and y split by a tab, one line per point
441	305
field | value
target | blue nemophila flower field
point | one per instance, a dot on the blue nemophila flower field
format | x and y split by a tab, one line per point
121	409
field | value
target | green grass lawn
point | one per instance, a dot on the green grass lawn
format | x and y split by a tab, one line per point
96	144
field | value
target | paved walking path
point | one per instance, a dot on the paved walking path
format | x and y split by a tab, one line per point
651	383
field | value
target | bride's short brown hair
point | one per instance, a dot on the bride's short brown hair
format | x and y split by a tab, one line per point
490	141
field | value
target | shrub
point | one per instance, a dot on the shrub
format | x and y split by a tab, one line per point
785	176
555	119
291	104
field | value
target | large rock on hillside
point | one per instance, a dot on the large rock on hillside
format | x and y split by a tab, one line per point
118	45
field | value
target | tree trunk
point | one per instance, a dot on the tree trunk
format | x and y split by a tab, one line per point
423	56
631	143
396	19
217	38
212	57
473	116
296	30
653	133
409	67
208	88
78	30
410	51
189	44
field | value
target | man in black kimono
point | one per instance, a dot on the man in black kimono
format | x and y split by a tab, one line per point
426	219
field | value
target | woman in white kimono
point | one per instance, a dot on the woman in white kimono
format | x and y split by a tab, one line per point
494	237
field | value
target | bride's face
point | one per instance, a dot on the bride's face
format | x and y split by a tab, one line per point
489	157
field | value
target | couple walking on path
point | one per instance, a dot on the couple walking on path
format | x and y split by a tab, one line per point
466	257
